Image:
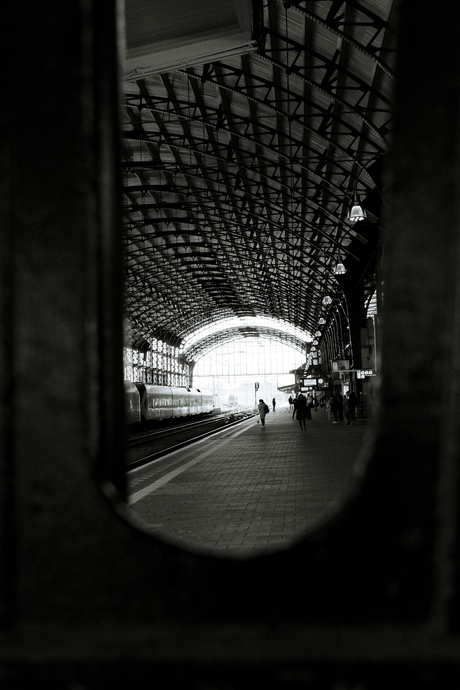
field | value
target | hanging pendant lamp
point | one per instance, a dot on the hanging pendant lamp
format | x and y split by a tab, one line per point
356	212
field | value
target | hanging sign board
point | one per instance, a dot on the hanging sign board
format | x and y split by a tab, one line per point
309	382
363	373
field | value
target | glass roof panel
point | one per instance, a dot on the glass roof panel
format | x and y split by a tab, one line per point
242	322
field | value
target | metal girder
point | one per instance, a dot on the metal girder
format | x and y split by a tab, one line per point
335	24
237	174
276	105
214	340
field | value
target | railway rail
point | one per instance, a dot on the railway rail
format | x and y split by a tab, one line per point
144	448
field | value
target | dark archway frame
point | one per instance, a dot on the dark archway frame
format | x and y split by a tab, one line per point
374	594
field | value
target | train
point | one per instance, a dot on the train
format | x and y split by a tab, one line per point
146	403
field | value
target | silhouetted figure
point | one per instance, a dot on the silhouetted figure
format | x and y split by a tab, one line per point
340	407
301	410
263	409
335	409
352	402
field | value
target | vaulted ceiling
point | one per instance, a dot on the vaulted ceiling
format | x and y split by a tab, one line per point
247	128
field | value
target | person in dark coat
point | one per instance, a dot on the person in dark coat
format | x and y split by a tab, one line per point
294	406
335	409
301	410
346	411
340	407
352	402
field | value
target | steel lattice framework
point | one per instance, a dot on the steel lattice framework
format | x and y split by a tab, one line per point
238	173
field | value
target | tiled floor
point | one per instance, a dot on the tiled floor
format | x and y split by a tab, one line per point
251	490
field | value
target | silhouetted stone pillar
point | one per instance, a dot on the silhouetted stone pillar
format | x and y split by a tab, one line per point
61	283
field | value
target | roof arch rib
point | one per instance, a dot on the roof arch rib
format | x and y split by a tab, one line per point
238	170
214	340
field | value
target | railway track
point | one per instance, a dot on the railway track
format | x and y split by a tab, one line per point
143	448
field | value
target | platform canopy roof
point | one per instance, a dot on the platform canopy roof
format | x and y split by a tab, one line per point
248	127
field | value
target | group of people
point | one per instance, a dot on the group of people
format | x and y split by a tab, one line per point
264	409
338	408
302	406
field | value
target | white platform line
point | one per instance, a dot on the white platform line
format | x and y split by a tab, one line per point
138	495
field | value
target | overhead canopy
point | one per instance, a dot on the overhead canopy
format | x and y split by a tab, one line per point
213	340
240	165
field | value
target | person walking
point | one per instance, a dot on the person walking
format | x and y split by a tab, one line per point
340	407
309	402
348	410
274	404
352	402
335	409
301	410
263	409
330	416
294	406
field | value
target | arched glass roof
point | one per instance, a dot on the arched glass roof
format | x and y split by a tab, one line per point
197	344
241	158
242	323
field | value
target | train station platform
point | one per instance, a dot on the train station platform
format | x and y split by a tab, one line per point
249	490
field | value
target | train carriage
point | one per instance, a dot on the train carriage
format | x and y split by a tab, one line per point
156	402
207	402
148	403
132	405
180	402
195	401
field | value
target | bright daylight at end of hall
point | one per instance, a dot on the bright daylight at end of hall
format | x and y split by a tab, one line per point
232	371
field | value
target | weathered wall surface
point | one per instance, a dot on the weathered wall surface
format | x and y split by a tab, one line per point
86	597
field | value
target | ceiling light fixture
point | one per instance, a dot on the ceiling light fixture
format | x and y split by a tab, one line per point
356	212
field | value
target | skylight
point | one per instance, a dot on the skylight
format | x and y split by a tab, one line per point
245	321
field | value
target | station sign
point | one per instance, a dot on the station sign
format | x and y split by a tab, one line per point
310	382
363	373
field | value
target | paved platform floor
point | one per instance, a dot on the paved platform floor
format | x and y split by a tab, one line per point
249	490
